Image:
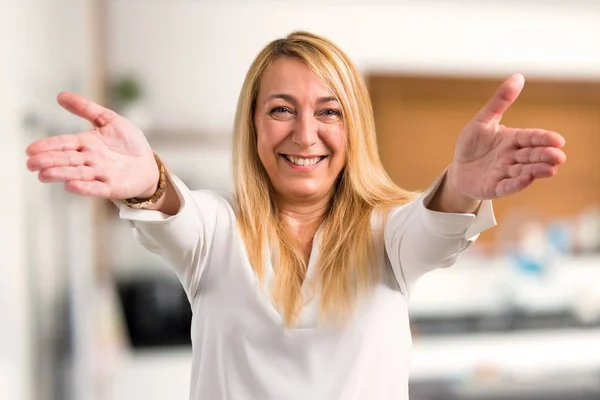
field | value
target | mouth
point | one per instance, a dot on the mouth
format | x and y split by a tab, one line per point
303	162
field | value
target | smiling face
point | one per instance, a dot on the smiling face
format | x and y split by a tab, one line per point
301	138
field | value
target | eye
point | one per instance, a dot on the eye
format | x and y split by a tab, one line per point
280	110
331	114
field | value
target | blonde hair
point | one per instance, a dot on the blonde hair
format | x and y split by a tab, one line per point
347	265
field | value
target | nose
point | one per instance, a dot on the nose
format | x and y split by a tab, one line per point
305	131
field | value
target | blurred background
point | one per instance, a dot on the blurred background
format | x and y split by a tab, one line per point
85	313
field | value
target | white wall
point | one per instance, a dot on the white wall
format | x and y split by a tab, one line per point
13	334
42	46
193	55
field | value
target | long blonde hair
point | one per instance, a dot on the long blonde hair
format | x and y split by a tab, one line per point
346	266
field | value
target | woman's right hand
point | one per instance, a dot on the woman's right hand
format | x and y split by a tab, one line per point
113	160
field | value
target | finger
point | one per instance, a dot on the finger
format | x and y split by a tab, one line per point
88	188
99	116
60	143
549	155
504	97
50	159
538	137
513	185
535	170
62	174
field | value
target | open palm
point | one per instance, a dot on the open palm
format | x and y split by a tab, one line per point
113	160
492	160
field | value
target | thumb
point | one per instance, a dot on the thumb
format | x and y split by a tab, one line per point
504	97
96	114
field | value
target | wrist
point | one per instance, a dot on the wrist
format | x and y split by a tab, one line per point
155	193
449	199
149	193
456	199
156	178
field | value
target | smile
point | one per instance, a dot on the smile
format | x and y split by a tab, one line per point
303	162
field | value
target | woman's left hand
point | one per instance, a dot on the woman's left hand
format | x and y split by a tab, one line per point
492	160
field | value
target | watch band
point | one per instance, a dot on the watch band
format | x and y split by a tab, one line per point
160	190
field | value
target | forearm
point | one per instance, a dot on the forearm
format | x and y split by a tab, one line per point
448	199
176	229
169	203
433	231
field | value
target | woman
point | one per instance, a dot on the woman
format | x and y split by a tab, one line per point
299	284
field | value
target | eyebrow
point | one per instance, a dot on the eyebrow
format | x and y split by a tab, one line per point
291	99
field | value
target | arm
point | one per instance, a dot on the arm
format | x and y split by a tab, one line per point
490	161
179	230
419	239
169	203
448	199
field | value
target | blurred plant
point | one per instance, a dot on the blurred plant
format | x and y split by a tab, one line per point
125	91
125	95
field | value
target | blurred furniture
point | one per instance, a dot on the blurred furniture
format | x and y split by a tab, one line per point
156	311
419	118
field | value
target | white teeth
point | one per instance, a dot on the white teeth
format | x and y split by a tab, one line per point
304	161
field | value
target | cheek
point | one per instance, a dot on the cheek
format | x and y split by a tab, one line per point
269	135
337	142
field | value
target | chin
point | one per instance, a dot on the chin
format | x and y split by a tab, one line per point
304	191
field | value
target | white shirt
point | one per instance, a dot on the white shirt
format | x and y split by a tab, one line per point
241	347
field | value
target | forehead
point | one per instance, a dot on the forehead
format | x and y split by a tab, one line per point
291	76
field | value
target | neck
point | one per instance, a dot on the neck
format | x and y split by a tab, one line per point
301	214
303	218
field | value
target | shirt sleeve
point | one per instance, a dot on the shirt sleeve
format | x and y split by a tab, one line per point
183	240
418	240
